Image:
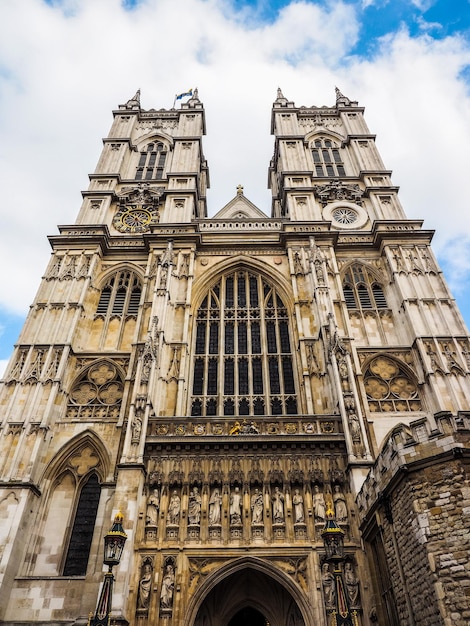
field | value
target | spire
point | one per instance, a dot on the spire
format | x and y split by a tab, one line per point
280	99
341	99
134	103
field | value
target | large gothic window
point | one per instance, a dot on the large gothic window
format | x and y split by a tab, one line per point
243	361
361	289
327	159
152	162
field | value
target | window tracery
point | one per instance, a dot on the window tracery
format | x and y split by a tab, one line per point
389	387
97	394
152	162
361	289
327	159
243	361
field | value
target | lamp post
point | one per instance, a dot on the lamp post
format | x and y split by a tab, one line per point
114	542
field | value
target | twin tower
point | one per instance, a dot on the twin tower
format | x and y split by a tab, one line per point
278	405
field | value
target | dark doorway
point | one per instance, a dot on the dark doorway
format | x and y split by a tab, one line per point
248	617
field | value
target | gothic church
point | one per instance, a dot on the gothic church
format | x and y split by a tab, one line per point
278	406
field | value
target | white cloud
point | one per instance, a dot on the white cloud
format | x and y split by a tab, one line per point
62	72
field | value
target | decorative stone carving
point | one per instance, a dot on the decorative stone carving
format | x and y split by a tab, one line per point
337	190
194	507
352	585
298	504
278	506
328	584
215	505
174	510
153	506
257	507
339	502
145	585
319	505
235	507
138	208
168	587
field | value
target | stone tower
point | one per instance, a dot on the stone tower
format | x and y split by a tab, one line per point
277	405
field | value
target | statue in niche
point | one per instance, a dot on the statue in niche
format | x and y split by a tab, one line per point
339	501
215	504
352	584
174	509
328	582
145	584
298	502
278	506
194	507
168	586
236	507
354	428
153	504
136	427
257	507
319	506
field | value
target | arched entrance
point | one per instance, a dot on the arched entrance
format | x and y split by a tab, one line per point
249	597
248	617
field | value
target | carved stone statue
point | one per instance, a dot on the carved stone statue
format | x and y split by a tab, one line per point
278	506
352	584
339	500
328	582
236	506
174	509
298	502
153	504
257	507
145	585
194	507
319	506
215	504
168	586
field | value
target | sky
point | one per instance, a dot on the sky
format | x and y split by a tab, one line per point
66	64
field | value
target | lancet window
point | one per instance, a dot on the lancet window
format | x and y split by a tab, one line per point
76	560
243	362
152	162
327	159
120	296
361	289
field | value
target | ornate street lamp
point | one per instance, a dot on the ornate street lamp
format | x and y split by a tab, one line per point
114	542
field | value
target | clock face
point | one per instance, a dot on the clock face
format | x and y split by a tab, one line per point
132	220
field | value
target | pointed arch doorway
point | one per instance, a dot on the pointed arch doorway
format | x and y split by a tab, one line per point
249	597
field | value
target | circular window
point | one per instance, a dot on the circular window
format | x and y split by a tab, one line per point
344	215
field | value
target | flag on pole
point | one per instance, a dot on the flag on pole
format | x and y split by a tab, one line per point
182	95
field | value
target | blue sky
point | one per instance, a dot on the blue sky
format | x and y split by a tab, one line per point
65	64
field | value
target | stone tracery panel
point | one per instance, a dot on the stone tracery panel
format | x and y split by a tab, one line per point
97	393
389	386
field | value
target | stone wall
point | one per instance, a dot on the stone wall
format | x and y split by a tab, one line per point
417	499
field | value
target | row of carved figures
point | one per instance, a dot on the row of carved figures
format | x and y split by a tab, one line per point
336	499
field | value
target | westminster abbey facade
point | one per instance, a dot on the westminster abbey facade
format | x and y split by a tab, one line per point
278	406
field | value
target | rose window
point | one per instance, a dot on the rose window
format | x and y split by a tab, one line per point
345	215
97	394
389	387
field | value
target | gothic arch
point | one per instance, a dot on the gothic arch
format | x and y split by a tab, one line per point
241	262
63	460
377	274
262	569
97	391
115	269
152	136
390	384
323	133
